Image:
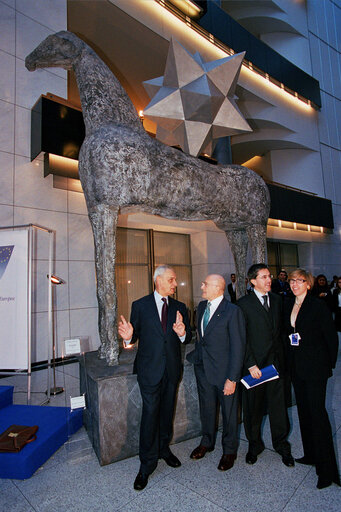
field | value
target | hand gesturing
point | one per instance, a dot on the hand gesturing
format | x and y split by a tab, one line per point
179	326
125	329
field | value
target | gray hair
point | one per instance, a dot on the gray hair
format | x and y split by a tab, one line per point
161	269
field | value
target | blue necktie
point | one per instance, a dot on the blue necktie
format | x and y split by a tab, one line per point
206	316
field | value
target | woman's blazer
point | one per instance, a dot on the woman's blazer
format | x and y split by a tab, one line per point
316	354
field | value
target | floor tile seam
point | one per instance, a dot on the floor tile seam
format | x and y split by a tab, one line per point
23	495
198	493
140	493
156	483
296	490
337	430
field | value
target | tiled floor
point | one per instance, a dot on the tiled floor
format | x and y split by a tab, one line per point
73	480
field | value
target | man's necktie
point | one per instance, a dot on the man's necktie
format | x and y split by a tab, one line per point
265	300
206	316
164	314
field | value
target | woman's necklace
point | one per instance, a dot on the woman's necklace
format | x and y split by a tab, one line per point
298	304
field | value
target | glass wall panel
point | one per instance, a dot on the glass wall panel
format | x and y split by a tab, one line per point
132	282
136	250
132	246
282	255
272	257
132	268
289	256
171	248
184	289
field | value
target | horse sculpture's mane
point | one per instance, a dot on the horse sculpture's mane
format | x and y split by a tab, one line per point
105	99
121	167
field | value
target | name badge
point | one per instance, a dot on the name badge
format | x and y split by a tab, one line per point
295	339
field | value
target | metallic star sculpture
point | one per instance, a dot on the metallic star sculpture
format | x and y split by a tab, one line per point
194	102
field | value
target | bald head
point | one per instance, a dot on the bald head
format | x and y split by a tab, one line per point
213	286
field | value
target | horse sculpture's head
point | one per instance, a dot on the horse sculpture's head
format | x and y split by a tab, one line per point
57	50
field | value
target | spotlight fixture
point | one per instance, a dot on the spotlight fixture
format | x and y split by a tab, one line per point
55	279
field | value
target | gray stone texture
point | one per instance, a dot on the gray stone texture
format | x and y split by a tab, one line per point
114	407
122	168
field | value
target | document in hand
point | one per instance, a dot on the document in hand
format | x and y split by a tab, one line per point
268	373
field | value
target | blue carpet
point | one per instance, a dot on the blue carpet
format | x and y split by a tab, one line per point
56	425
6	395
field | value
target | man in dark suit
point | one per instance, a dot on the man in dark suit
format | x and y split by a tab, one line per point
218	359
281	285
231	288
160	323
263	313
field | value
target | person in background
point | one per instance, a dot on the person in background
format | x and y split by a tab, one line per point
333	283
281	285
322	291
337	304
248	286
312	345
231	288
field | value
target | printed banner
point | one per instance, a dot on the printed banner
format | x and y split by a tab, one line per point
13	299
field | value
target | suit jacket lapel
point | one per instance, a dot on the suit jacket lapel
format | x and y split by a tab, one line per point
220	309
302	311
273	307
260	308
171	317
200	313
154	312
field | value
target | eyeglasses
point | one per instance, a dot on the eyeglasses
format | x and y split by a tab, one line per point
266	276
208	284
298	281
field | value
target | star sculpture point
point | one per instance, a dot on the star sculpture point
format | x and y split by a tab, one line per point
194	102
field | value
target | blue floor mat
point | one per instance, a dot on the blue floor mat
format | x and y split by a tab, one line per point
56	425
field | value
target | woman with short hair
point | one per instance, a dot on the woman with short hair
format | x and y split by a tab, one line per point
312	347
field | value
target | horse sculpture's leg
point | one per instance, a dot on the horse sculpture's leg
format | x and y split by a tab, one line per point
238	241
103	221
257	239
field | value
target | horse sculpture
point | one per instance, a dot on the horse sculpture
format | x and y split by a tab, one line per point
121	167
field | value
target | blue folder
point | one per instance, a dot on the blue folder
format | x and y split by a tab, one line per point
268	373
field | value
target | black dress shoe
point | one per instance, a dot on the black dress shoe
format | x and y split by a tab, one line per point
305	460
250	458
288	460
200	451
227	461
140	481
323	482
171	460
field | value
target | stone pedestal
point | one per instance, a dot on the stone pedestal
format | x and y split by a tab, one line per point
114	406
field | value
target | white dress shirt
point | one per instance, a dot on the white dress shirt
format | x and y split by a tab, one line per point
260	297
214	305
159	304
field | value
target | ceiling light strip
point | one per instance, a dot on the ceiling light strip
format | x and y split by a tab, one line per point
249	65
